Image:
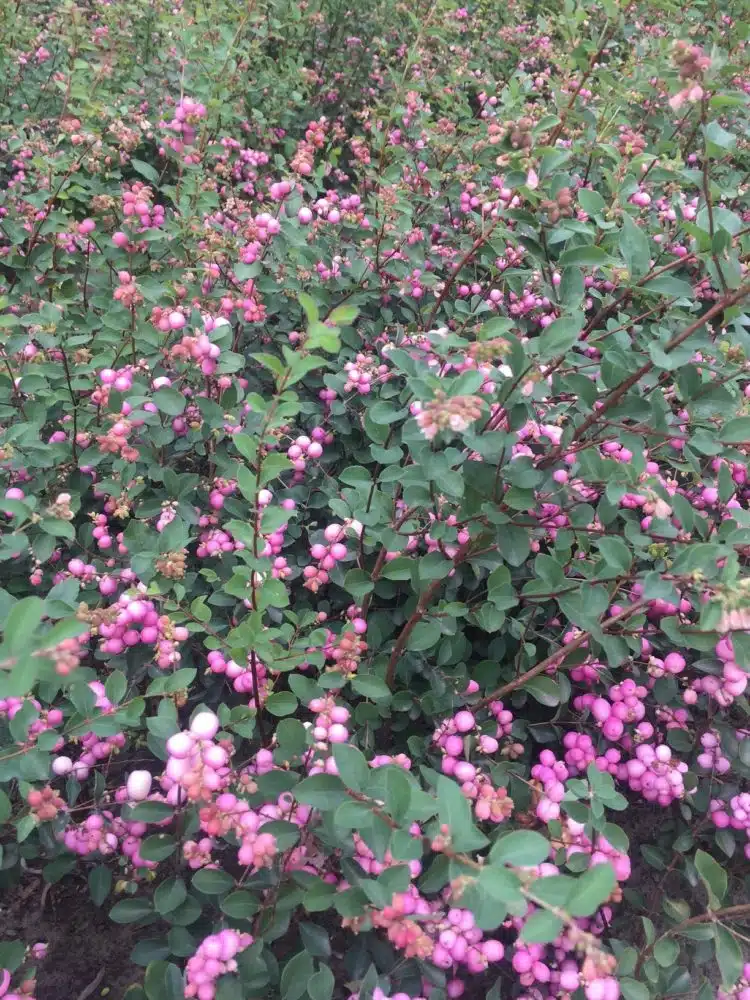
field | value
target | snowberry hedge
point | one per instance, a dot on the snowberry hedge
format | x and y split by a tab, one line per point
375	523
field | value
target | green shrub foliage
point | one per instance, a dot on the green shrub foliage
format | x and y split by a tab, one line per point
374	526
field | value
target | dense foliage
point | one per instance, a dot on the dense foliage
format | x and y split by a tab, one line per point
374	434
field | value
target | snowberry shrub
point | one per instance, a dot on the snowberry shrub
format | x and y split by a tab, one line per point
374	440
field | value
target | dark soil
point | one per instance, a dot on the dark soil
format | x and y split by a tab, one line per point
82	940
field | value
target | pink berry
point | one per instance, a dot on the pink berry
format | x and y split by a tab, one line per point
464	721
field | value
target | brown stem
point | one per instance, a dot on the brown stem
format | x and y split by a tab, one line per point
556	659
418	614
74	402
614	397
280	388
466	259
53	197
377	569
15	390
707	199
380	561
740	910
607	311
569	107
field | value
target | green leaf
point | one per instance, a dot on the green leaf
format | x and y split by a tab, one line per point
315	939
513	543
500	589
424	635
555	890
273	594
271	363
634	248
241	905
297	973
617	837
589	256
400	569
397	792
384	412
320	986
615	553
128	911
736	431
200	610
728	955
21	623
274	518
719	137
322	337
302	364
592	889
665	284
151	812
501	884
713	877
523	848
309	307
591	201
354	815
150	950
343	315
169	401
281	703
351	766
57	527
633	990
370	686
358	583
12	954
163	981
116	686
572	287
541	927
229	988
666	952
273	465
212	881
169	895
246	446
543	689
292	738
145	170
322	791
100	884
181	942
178	681
560	335
247	483
24	826
5	807
157	847
455	811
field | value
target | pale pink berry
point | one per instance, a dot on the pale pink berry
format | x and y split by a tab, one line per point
205	726
139	785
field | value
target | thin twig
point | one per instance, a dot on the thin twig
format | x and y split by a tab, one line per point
556	659
614	397
95	982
